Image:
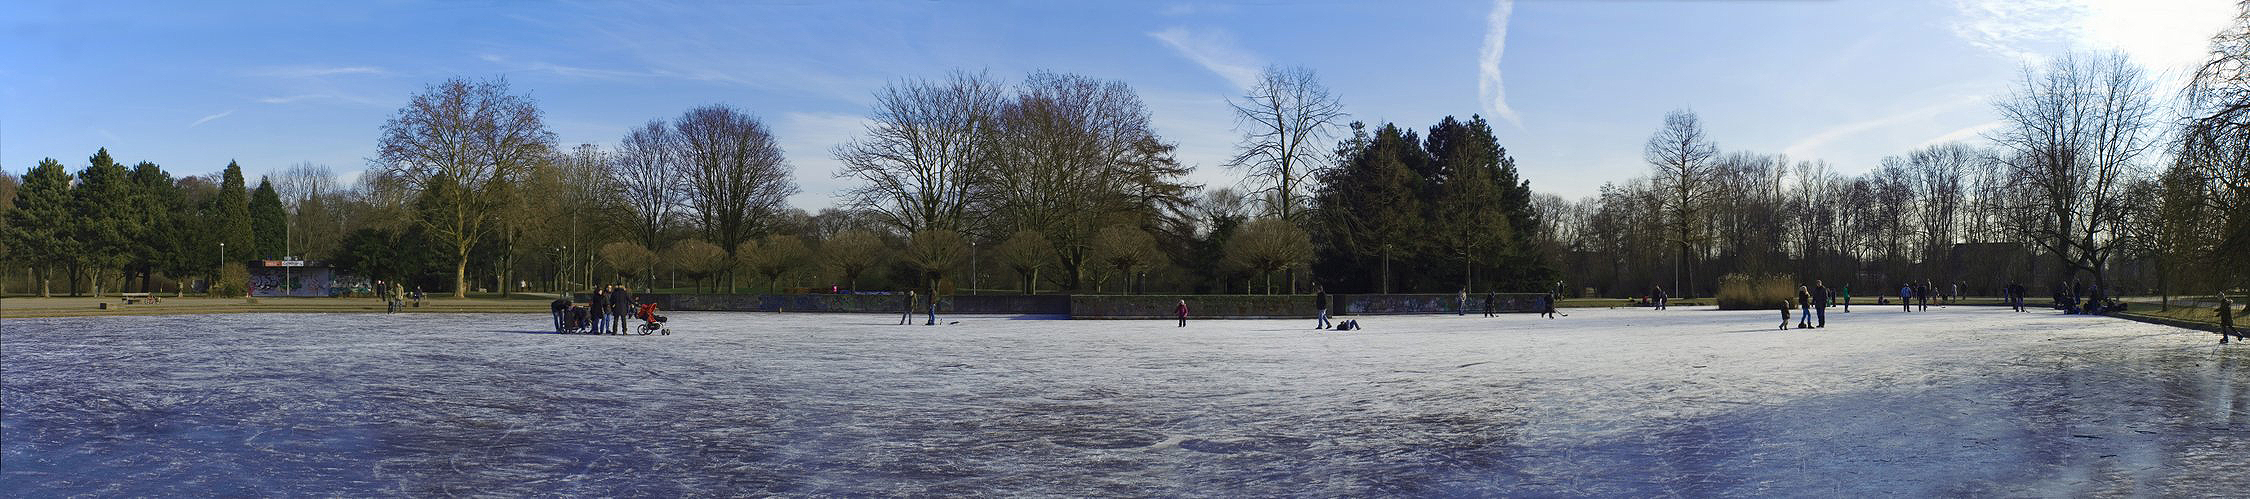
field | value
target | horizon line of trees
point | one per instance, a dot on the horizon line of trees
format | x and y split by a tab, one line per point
1059	182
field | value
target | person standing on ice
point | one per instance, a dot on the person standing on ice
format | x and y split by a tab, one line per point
1805	300
1906	296
1785	306
1463	300
933	308
599	307
1820	302
1658	297
2226	318
1847	298
1923	294
1181	310
906	308
1320	306
1488	299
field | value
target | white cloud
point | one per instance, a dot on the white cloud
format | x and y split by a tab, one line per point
1489	87
1215	51
1965	133
207	119
571	71
2165	35
1804	147
320	71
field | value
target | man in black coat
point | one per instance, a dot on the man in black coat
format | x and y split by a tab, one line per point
1820	302
621	306
599	307
1320	306
560	306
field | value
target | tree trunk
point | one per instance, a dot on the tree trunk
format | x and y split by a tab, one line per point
461	272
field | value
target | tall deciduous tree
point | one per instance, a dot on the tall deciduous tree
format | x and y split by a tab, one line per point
851	252
647	177
732	170
926	145
1268	245
1284	119
2077	131
1682	156
476	137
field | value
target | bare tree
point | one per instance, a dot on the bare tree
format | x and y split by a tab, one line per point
732	170
646	175
1127	249
1269	245
928	143
1068	143
1027	252
1684	172
2213	147
471	139
852	252
1285	120
2078	131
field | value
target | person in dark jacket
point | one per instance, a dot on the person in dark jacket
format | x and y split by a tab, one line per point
1320	306
1906	296
906	310
1547	304
1805	300
1922	293
560	307
1820	302
1181	311
1489	297
1785	306
621	307
599	307
2226	318
1659	297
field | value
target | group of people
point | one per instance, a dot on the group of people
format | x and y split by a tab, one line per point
608	311
394	295
1814	300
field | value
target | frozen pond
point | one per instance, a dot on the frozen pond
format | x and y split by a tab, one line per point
1959	401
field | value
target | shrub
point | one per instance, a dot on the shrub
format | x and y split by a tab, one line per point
1747	292
234	282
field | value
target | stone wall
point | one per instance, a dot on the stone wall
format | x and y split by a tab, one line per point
1100	306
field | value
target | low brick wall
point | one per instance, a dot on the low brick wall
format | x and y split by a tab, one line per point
1382	304
1199	306
1099	306
863	303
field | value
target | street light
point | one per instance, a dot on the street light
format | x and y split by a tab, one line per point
222	266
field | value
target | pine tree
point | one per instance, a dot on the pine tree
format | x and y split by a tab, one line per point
233	213
156	208
102	219
1369	212
268	221
38	231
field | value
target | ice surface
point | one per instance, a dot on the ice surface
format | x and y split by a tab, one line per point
1958	401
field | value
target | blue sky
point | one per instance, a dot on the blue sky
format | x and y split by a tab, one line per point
1575	88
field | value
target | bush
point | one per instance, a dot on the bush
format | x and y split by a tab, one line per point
1746	292
234	282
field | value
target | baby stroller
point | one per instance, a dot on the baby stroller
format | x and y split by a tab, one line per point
652	323
576	320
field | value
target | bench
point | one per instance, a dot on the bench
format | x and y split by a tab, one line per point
133	298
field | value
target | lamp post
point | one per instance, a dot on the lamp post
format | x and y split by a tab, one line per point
222	267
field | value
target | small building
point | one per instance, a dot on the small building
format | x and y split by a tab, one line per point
292	278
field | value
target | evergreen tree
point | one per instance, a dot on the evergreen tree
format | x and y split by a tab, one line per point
1367	211
38	231
155	208
101	219
233	216
268	221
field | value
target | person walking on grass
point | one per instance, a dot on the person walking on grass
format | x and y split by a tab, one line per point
1805	300
1320	306
1181	311
1820	303
1906	296
2226	318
